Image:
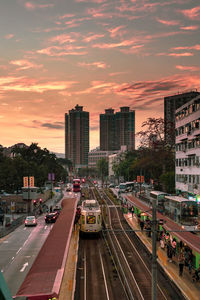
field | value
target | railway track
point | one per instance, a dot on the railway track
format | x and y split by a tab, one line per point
116	265
97	276
134	260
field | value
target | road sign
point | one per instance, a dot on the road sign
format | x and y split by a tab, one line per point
31	181
25	179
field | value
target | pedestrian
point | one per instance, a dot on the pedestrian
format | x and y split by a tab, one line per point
181	262
174	246
132	211
162	244
169	251
141	225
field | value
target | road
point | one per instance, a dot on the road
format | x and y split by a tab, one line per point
19	249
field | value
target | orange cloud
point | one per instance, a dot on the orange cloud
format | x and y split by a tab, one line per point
187	68
195	47
23	84
175	54
194	27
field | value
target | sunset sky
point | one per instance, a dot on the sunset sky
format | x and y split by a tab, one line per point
55	54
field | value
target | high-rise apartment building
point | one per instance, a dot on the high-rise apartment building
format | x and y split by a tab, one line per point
108	140
77	136
188	147
171	104
117	129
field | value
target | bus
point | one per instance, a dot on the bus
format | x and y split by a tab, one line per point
126	187
76	185
160	198
182	211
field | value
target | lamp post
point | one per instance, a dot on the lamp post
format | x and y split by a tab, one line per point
154	252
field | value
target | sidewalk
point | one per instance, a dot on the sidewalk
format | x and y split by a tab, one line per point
190	290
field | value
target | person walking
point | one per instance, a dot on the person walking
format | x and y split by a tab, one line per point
132	211
141	225
174	246
181	262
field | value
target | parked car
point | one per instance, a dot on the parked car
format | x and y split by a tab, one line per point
30	221
51	217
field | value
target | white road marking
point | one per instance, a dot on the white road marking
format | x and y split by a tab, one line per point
45	227
5	242
24	266
19	250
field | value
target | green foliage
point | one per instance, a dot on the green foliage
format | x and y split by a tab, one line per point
151	160
168	180
29	161
102	168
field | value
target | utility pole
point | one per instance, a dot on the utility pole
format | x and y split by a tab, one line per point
154	252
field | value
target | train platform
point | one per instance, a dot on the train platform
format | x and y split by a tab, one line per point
67	287
190	289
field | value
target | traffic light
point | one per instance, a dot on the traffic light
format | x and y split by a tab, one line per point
40	200
34	202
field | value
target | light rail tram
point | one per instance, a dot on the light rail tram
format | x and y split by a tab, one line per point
91	217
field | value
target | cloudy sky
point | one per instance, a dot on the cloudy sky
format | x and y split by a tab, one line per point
55	54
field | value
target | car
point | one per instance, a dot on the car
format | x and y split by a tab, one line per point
68	189
30	221
57	209
51	217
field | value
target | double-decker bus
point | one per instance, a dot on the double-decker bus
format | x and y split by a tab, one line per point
76	185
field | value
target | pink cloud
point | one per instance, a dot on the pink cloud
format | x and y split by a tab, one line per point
114	45
91	1
98	64
168	22
193	13
32	6
187	68
62	38
61	51
66	16
25	64
9	36
116	31
92	37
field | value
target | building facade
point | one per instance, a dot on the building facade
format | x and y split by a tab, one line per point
117	129
95	155
171	104
188	147
77	136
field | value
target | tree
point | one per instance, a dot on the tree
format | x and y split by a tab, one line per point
102	167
